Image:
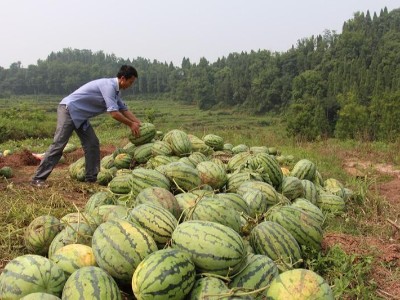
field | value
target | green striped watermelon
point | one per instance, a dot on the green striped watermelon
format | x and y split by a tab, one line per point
156	220
331	203
197	157
304	227
97	199
147	133
179	142
304	169
222	249
123	161
256	202
214	210
143	178
236	179
240	148
73	233
183	176
212	174
91	283
160	196
310	191
143	153
271	196
208	288
269	165
214	141
234	200
164	274
119	246
120	184
258	273
312	209
273	240
40	233
292	187
161	148
28	274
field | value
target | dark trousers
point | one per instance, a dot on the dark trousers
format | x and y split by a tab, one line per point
65	128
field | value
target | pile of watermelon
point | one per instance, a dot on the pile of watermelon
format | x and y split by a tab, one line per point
183	217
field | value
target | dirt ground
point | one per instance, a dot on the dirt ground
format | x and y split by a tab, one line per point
386	252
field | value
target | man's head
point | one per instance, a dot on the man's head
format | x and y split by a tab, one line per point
126	76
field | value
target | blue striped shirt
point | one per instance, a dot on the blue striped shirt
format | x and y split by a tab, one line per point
92	99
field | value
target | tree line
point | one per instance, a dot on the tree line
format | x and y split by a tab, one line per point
344	85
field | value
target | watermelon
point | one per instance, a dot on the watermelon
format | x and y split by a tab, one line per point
179	142
234	200
269	165
161	148
72	257
212	174
258	273
299	284
73	233
222	250
304	227
142	178
214	141
121	184
143	153
273	240
331	203
212	209
91	283
97	199
304	169
184	177
208	288
28	274
40	296
40	233
160	196
123	161
6	172
147	133
156	220
119	246
164	274
292	187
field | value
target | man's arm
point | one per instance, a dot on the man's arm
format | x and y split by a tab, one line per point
128	119
128	114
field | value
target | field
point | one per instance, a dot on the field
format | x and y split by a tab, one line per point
361	247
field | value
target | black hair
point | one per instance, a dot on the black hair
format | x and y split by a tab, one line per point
127	72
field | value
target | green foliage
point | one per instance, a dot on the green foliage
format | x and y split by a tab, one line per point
385	116
349	274
353	122
306	120
24	121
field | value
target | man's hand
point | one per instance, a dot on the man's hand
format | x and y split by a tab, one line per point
135	128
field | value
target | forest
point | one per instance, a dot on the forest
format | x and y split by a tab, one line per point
343	85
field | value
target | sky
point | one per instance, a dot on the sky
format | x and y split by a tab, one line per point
167	30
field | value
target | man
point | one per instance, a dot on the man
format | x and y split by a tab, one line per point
73	114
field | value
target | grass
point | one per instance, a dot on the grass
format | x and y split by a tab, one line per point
349	274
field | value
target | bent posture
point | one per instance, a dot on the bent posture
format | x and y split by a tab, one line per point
73	114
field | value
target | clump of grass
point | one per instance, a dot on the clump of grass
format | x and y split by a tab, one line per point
348	275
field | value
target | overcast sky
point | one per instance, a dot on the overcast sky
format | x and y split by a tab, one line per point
167	30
